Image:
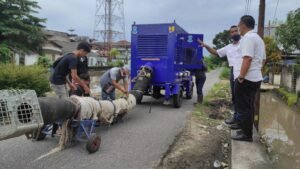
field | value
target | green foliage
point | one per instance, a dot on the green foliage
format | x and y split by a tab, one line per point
289	98
19	29
113	53
24	77
288	34
225	73
272	50
4	53
222	39
218	91
117	63
44	61
213	62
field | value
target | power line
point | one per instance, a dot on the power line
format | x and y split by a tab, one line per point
246	6
249	8
276	10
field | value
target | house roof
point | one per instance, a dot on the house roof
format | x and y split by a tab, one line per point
121	43
67	46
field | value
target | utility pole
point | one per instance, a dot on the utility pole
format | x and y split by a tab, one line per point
260	31
261	18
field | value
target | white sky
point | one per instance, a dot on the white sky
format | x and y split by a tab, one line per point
208	17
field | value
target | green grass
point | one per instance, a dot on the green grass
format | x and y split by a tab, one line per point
219	91
225	73
288	97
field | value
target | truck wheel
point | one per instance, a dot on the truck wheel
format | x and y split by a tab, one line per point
139	99
177	99
93	143
190	95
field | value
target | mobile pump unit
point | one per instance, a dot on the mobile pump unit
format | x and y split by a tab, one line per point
163	60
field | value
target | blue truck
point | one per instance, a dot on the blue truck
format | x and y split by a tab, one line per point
170	55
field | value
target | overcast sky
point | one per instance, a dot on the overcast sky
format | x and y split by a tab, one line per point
208	17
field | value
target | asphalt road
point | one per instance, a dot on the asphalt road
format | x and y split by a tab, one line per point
136	143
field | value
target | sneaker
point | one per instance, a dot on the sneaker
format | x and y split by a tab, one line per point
230	121
235	126
242	137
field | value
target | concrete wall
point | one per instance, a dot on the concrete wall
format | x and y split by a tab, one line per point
298	84
277	79
31	59
17	59
97	61
287	78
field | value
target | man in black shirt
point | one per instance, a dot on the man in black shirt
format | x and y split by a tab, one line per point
82	65
68	65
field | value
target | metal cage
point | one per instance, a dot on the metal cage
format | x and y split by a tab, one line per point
20	113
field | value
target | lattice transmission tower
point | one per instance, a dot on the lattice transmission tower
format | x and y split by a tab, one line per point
109	21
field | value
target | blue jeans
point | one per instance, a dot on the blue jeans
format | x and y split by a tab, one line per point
108	96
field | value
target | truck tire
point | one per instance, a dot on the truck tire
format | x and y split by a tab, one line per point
139	99
177	99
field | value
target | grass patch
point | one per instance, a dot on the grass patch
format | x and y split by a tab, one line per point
225	73
219	91
215	107
288	97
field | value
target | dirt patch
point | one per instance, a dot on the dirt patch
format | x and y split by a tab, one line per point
204	142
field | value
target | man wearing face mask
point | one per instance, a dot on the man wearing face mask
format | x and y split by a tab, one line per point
232	52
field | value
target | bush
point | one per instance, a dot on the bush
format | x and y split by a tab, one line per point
225	74
24	77
213	62
289	98
117	63
44	61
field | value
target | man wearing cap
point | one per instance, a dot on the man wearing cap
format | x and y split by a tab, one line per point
109	82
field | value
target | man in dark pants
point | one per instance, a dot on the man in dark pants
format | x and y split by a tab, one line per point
248	76
200	80
231	51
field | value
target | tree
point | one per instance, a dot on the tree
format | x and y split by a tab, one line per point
222	39
19	28
113	53
288	34
272	50
4	53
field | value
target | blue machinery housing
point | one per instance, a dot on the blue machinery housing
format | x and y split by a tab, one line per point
171	55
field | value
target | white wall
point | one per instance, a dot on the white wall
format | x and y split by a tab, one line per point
298	84
31	59
17	59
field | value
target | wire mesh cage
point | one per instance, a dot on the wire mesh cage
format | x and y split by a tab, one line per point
20	113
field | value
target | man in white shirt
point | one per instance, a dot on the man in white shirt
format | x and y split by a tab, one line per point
248	76
232	52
